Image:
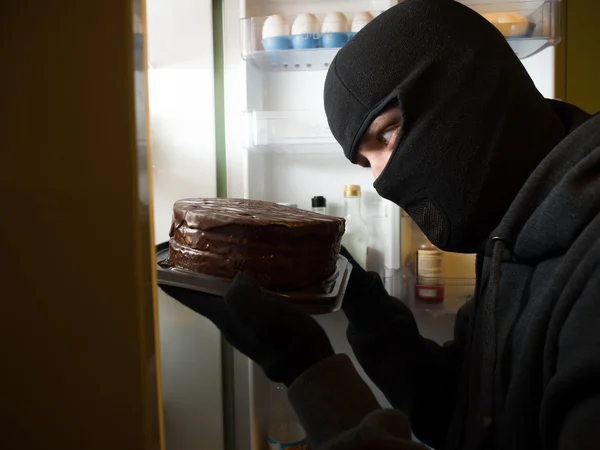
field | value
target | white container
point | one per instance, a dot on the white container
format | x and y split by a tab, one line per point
356	237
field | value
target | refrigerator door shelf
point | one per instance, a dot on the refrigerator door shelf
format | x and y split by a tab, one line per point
537	28
525	47
542	28
320	299
308	49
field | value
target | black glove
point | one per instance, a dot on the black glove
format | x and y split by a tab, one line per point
279	337
367	303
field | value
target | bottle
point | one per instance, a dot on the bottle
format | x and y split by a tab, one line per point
429	287
319	204
376	222
285	431
356	237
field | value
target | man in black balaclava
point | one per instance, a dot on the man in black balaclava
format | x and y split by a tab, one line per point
431	96
471	117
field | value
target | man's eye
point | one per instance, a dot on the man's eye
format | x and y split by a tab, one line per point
364	163
387	135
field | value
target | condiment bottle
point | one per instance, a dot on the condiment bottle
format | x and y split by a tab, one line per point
356	237
430	286
319	204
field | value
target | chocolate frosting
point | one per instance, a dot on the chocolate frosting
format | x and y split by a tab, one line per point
281	246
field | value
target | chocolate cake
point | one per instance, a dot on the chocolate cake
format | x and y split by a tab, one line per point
284	248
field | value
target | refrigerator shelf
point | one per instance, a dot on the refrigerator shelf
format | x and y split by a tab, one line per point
309	59
457	291
539	29
450	306
302	130
324	298
295	149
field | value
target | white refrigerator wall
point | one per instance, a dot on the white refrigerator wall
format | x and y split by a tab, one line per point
283	173
182	127
541	68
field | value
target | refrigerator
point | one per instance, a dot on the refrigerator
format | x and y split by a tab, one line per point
229	118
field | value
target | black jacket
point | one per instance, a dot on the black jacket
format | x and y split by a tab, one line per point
523	371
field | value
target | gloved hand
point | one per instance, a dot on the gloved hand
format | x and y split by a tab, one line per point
367	303
279	337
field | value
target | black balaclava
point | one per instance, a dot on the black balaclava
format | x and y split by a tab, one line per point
474	125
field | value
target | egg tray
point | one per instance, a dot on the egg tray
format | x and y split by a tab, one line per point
323	298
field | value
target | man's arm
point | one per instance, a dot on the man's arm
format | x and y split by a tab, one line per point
338	411
416	375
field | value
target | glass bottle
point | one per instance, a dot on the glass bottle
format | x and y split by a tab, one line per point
430	286
319	204
356	237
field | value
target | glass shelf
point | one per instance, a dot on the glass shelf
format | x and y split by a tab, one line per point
457	291
449	306
543	31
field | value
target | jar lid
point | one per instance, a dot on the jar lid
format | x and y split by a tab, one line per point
319	202
352	190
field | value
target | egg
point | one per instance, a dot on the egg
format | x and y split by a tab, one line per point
305	23
335	22
509	23
360	20
275	26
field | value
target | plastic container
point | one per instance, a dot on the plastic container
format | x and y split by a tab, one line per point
277	43
334	40
284	429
